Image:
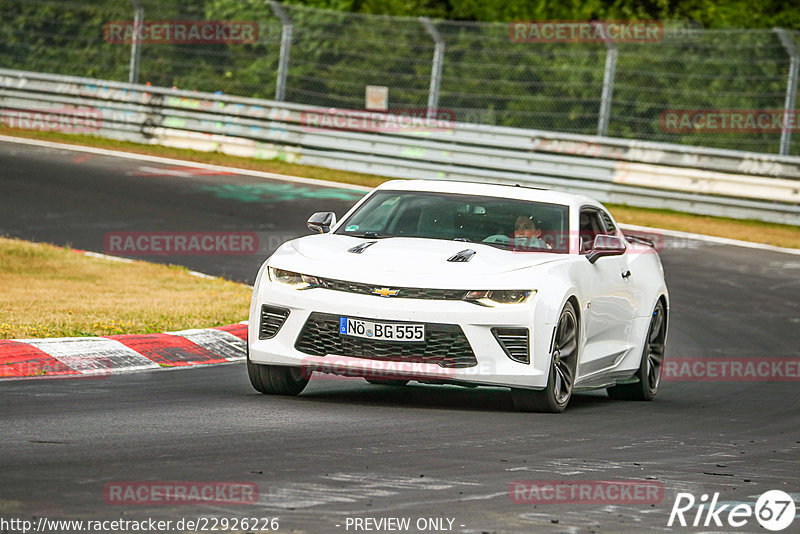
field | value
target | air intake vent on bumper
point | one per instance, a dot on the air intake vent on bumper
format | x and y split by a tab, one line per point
514	342
272	320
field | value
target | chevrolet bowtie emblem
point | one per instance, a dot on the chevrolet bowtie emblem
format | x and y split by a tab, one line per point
385	292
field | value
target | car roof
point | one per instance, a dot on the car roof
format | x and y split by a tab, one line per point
491	190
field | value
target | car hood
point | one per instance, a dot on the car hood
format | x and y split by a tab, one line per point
403	260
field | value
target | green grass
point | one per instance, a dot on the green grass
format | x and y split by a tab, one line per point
50	291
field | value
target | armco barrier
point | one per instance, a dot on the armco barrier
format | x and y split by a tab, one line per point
698	180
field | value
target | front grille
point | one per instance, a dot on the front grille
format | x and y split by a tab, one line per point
402	292
272	319
445	344
514	342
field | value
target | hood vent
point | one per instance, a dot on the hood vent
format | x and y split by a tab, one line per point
464	255
358	249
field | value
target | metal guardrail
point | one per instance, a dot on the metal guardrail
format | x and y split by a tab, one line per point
697	180
497	73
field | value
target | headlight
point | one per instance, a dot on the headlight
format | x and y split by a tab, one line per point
289	278
500	296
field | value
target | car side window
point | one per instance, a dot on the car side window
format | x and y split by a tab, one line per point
591	225
611	229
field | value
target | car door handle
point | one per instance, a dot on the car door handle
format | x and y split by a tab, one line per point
626	275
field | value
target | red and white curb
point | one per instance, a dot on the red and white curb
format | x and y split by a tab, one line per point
108	355
66	357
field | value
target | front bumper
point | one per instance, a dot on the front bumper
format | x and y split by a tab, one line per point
492	365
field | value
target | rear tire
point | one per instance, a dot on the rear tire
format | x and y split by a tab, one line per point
276	379
649	373
563	363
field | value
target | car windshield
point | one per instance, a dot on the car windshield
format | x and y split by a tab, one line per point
500	222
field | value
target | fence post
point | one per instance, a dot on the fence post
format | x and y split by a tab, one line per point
436	68
791	90
136	46
286	44
608	88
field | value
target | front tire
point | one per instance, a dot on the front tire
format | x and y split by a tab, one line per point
276	379
649	373
563	363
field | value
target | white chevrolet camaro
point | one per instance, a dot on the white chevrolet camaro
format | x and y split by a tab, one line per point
463	283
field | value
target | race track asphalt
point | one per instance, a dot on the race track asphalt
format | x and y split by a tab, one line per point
347	449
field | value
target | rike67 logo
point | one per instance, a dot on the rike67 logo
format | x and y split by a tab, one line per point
774	510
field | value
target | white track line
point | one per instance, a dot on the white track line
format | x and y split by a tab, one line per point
129	260
712	239
183	163
104	256
326	183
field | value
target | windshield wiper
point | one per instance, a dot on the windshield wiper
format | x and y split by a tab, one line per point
369	234
504	246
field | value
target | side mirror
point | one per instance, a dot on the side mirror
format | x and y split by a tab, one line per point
605	245
321	222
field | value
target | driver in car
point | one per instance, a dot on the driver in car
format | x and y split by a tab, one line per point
527	234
